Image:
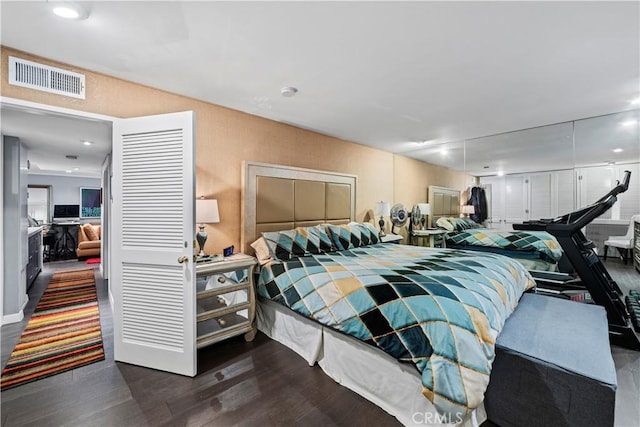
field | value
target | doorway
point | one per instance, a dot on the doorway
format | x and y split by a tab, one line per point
42	130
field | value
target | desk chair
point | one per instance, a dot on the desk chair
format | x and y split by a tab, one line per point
624	244
65	243
49	240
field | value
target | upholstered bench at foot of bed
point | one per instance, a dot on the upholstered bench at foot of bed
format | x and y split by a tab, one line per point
553	366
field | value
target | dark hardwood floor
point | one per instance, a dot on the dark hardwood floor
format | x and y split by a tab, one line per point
261	383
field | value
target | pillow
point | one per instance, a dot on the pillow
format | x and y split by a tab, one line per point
90	232
300	241
262	251
444	222
460	224
353	235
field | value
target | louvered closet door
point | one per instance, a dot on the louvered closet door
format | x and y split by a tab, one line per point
153	228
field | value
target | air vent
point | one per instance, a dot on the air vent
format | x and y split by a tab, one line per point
45	78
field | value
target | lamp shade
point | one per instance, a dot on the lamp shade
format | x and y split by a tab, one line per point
207	211
468	209
425	208
382	209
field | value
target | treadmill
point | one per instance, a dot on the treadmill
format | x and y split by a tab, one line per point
591	273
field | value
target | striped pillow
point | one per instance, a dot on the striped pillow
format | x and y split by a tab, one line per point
301	241
353	235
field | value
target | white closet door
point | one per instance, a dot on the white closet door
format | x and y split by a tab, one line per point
495	201
563	192
629	201
152	249
515	199
594	183
539	196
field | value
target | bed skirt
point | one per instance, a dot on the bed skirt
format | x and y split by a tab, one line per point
393	386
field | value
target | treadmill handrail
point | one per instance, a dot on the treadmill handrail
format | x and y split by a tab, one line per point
619	188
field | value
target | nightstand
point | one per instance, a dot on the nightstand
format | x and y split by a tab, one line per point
430	235
225	300
391	238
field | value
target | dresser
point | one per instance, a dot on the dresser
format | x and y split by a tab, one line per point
225	300
636	245
34	258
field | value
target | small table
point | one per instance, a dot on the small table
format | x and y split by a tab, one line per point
430	235
391	238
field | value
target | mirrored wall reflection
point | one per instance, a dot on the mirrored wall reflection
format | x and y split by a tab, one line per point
450	155
605	147
610	139
550	170
537	149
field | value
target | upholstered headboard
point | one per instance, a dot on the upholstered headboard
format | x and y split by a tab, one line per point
282	197
444	202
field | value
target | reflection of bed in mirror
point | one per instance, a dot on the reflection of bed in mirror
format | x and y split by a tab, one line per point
282	198
535	250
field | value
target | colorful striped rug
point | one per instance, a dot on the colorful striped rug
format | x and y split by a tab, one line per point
63	333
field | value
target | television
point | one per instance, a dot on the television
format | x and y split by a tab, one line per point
66	212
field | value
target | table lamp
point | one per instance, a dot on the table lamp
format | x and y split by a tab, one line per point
206	213
468	210
382	209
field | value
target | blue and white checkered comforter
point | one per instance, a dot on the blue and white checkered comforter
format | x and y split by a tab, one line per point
440	309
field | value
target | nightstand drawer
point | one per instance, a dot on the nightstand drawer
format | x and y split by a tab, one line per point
221	324
211	306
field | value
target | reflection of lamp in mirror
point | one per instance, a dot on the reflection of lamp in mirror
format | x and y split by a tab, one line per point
206	213
468	210
382	209
425	211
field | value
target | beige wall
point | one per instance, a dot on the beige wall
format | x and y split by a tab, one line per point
225	138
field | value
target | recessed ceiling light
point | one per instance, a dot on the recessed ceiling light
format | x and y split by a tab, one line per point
66	12
427	141
70	10
76	169
500	173
444	151
635	101
87	142
618	150
628	123
68	171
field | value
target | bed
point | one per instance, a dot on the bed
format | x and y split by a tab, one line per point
536	250
481	290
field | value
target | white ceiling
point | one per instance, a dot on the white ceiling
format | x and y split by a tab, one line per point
50	138
384	74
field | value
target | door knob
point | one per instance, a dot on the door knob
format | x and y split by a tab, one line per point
183	259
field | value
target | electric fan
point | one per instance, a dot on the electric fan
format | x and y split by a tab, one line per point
399	216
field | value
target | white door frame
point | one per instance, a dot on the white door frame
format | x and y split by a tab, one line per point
30	106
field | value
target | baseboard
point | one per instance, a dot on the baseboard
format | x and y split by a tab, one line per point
13	318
